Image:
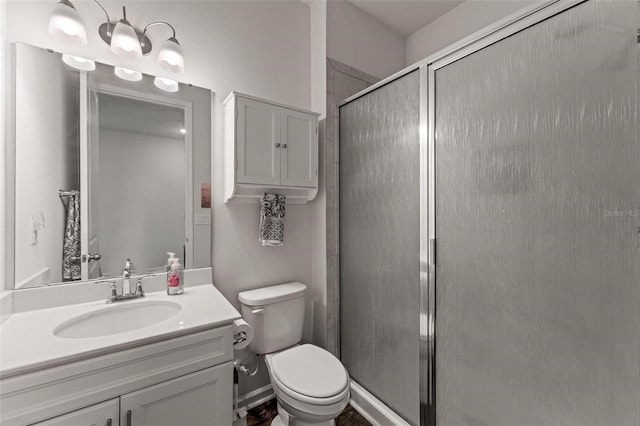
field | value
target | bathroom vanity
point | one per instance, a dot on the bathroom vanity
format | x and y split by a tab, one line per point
92	363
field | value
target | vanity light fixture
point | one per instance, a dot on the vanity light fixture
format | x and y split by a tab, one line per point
127	74
166	84
123	39
79	62
66	24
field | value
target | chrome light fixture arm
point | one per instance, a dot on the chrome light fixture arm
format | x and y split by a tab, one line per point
108	26
144	32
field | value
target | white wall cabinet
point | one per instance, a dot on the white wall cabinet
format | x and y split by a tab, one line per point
269	147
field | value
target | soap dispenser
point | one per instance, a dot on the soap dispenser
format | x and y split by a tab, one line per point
172	257
175	284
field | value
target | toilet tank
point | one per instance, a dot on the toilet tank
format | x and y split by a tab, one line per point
276	314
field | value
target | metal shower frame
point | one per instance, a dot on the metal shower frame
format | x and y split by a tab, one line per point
427	67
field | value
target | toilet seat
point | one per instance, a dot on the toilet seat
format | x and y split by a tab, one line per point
309	374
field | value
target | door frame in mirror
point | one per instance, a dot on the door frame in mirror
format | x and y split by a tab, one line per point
187	107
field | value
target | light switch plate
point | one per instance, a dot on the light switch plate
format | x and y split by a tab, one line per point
203	219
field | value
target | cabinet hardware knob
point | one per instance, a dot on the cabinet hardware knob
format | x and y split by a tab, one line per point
284	146
277	145
128	417
109	422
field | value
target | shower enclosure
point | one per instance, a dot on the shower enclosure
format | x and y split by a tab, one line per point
490	225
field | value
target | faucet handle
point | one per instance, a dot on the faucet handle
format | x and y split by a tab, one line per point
114	291
139	291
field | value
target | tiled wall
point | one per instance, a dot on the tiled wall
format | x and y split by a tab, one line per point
343	81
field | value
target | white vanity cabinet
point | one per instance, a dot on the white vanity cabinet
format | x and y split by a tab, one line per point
201	398
104	414
186	380
269	147
198	399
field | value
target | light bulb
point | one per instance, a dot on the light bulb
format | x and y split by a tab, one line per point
79	62
170	56
65	23
127	74
166	84
125	42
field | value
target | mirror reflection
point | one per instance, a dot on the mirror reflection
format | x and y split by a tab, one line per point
105	170
137	138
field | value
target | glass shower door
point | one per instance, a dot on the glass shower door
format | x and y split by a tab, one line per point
379	243
537	225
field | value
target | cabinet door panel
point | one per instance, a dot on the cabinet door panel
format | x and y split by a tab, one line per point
300	149
258	133
198	399
104	414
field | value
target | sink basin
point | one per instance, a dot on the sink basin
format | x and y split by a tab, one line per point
115	319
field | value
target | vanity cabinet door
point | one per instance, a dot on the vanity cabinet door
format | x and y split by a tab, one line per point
198	399
299	157
103	414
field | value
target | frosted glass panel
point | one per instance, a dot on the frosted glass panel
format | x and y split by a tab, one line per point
537	216
379	245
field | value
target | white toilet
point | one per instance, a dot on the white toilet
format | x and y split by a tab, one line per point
311	385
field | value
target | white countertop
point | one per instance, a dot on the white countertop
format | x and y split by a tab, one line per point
27	342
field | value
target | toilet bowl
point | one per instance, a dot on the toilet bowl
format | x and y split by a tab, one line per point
310	384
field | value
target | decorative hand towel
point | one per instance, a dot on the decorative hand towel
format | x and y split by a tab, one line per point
71	243
272	219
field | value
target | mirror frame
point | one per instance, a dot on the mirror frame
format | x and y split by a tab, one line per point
129	89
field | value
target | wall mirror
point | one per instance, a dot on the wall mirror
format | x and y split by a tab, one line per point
105	169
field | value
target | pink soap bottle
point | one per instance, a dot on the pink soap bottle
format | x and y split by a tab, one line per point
175	284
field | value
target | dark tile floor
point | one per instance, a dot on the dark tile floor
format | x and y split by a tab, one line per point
263	414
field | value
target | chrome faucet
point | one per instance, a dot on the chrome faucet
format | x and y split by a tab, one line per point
127	294
115	297
126	274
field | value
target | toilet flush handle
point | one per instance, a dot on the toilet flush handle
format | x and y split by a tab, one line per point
257	311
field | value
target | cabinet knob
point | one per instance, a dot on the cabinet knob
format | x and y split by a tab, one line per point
284	146
277	145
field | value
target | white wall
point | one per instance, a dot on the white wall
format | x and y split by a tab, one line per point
464	20
256	47
3	102
318	288
43	165
156	202
358	40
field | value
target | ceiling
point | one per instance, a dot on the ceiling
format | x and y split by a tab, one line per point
405	16
138	116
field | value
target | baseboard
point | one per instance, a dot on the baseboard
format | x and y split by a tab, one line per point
372	409
256	397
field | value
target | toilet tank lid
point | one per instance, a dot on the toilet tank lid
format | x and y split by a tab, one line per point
272	294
